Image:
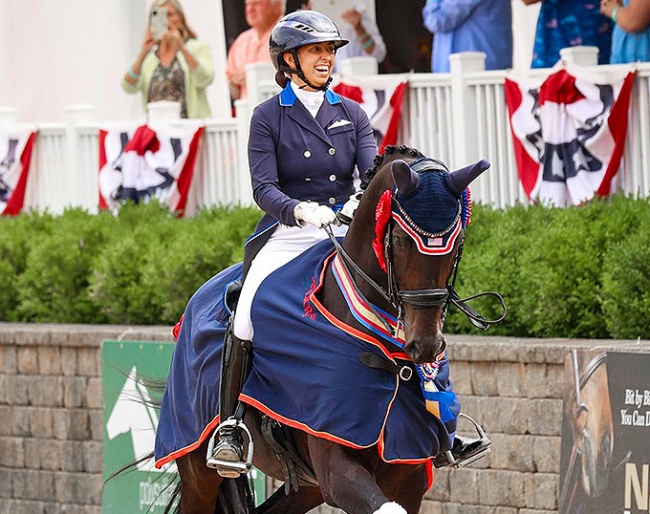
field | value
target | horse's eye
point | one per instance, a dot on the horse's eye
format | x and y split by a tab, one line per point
398	240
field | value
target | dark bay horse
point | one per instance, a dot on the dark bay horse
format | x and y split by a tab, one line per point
401	254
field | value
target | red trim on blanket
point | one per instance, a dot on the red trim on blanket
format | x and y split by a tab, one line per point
190	448
429	474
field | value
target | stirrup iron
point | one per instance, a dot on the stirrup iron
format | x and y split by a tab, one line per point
226	468
460	460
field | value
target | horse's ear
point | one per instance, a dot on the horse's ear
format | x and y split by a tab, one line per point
406	180
461	178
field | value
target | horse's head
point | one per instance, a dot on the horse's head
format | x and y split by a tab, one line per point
418	211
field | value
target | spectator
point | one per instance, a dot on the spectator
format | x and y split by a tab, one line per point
470	26
565	23
252	45
363	35
631	35
177	67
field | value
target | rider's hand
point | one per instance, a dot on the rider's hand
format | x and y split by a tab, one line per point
313	214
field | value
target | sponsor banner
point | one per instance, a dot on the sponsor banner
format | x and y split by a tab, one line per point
605	458
133	374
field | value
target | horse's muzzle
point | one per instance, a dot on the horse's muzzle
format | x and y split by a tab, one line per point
425	349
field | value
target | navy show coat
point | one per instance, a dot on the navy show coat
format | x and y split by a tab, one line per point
295	157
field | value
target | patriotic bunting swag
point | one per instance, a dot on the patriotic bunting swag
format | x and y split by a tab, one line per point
569	134
141	163
383	105
16	153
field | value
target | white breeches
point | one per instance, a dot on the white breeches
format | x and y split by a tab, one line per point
285	244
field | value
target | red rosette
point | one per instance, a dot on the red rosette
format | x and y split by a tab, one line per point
177	328
382	215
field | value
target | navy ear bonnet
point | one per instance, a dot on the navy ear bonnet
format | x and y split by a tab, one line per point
433	208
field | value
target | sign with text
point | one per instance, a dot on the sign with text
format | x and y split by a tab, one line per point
605	431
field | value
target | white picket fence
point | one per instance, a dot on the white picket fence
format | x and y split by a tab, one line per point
457	117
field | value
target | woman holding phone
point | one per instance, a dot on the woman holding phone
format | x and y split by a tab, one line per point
172	63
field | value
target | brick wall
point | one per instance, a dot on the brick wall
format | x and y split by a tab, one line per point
51	420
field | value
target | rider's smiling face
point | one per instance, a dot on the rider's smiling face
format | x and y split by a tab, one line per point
316	61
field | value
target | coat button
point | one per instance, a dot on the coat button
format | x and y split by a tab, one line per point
332	151
307	154
332	201
332	178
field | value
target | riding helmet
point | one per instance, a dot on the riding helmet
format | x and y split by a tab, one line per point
301	28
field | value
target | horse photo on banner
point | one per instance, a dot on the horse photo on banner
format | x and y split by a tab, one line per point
569	133
381	101
143	163
16	148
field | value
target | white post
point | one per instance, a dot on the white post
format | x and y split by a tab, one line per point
465	139
164	111
580	55
75	184
258	76
243	178
359	66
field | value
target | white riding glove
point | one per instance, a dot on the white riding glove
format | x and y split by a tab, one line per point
346	213
313	214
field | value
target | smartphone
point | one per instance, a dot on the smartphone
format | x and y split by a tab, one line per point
158	23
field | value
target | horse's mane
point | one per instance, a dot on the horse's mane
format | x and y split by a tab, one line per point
390	153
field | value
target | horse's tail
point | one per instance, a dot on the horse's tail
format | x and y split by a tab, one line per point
173	505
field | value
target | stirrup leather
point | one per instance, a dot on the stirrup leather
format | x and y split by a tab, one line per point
461	456
226	468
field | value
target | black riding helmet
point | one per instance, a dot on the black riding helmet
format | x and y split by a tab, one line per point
298	29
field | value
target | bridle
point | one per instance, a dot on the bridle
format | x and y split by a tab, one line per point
418	298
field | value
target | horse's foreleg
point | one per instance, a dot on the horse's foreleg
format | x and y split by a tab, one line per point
345	482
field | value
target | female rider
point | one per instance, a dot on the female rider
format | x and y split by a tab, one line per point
305	145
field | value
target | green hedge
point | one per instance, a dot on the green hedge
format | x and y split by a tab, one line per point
581	272
578	272
139	267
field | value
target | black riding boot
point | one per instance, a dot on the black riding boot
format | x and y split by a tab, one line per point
227	456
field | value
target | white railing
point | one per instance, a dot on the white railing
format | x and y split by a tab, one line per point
457	117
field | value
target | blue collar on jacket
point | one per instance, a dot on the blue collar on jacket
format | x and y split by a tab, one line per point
288	97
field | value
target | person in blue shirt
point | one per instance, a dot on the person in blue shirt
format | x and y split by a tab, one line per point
305	148
631	35
566	23
470	26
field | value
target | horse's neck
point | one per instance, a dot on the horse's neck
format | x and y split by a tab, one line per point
358	246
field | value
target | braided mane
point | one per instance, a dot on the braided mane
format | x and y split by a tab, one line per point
390	152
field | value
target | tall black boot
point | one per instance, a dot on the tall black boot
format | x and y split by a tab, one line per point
227	455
